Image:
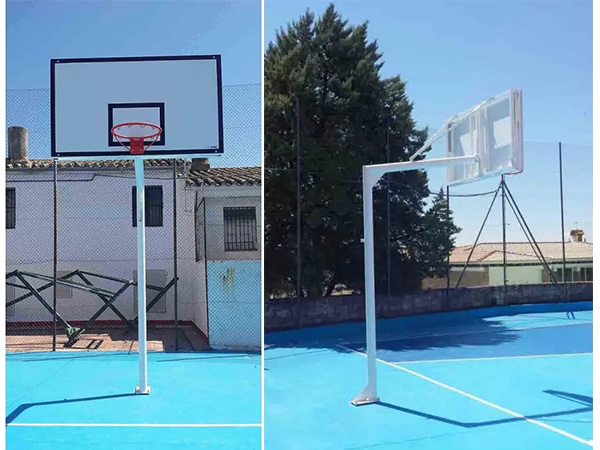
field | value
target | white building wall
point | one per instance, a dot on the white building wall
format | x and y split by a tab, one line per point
96	234
516	275
526	274
191	273
219	198
233	277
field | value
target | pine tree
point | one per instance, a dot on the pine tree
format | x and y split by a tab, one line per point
332	71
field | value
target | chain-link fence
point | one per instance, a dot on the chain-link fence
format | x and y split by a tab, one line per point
202	243
519	243
28	320
229	247
512	233
30	108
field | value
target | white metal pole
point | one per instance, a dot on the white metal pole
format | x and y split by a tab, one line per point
369	393
142	387
371	175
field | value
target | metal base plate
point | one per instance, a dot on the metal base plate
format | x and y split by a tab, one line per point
367	396
138	391
360	401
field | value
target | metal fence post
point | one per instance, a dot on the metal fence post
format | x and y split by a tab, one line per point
389	234
175	312
298	208
449	249
562	218
503	237
55	256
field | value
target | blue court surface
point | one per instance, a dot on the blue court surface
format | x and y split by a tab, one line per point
517	377
85	400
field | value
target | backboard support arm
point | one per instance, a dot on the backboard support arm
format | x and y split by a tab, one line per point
371	176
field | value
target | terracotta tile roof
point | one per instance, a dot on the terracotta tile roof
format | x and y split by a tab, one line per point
226	176
216	176
43	163
521	252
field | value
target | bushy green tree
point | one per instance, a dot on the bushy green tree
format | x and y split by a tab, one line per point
325	74
441	230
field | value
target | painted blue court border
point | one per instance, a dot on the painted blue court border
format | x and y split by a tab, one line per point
515	377
198	400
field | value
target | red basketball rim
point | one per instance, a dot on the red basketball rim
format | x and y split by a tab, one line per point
156	128
137	144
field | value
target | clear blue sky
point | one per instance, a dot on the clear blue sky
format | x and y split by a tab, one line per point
40	30
454	54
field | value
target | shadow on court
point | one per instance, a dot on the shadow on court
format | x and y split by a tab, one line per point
577	398
488	423
484	327
396	335
25	406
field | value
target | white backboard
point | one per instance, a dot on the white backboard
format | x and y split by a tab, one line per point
493	130
181	94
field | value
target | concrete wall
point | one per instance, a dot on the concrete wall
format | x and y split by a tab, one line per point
281	314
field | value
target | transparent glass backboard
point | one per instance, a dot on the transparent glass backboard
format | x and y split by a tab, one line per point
493	131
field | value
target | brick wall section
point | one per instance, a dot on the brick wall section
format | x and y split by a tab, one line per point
289	313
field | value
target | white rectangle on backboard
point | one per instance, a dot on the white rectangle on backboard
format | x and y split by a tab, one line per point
182	93
493	131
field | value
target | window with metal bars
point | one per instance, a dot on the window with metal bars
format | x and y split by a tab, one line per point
240	229
153	206
11	208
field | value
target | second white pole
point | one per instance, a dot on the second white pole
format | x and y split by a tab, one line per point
369	393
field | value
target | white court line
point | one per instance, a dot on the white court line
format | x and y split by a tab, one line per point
422	336
142	425
478	399
518	317
491	358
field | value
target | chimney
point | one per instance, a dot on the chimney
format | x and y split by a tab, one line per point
17	143
200	164
577	235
